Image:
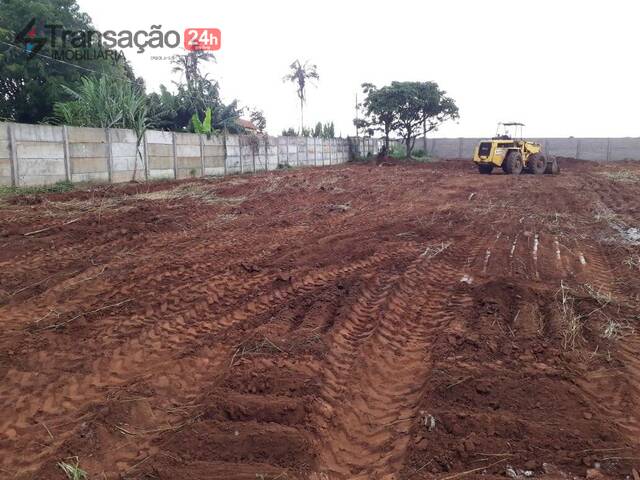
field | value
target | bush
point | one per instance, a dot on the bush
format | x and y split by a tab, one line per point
397	151
58	187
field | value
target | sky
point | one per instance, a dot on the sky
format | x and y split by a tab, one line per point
564	68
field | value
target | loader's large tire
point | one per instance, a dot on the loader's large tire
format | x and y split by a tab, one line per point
552	166
513	163
485	168
537	163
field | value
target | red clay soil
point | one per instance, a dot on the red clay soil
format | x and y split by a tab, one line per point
364	321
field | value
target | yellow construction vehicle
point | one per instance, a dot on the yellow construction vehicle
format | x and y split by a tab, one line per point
512	153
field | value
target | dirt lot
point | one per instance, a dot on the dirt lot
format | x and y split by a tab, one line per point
364	321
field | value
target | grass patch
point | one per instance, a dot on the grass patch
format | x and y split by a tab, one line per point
400	152
58	187
73	470
622	176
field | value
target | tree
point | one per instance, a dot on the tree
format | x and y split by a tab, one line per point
195	87
380	112
328	130
300	74
101	102
317	131
29	87
196	94
403	107
259	120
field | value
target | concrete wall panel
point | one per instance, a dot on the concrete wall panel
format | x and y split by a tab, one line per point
161	163
86	135
155	136
90	177
82	165
624	149
5	149
40	150
593	148
37	133
95	150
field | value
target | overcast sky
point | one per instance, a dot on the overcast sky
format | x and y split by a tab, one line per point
562	67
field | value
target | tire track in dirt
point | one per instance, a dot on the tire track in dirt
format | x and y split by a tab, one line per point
378	367
136	358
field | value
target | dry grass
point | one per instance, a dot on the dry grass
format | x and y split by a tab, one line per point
571	322
615	330
633	262
626	176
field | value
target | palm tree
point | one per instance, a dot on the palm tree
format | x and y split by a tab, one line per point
300	74
189	65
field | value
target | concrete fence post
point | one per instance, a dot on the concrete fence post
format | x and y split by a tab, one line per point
201	155
15	174
287	150
578	148
253	156
608	149
315	152
240	153
175	154
107	133
67	159
146	155
224	150
460	140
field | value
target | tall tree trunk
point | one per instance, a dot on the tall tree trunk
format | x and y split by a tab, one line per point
301	116
424	135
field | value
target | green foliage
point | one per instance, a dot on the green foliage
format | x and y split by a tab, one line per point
203	127
419	153
73	470
102	102
290	132
31	87
405	107
326	130
397	151
58	187
259	120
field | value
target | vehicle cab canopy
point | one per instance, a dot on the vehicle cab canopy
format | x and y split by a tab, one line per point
508	131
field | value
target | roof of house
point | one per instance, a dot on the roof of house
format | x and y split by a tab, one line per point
246	124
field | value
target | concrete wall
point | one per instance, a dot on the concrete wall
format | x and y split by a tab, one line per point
598	149
43	154
365	146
